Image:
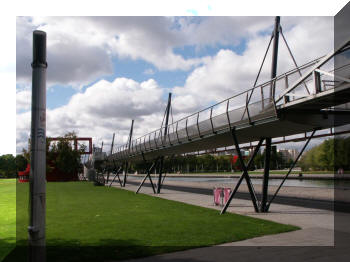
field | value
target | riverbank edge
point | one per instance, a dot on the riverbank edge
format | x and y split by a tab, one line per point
257	176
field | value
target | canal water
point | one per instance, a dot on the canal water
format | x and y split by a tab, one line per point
319	183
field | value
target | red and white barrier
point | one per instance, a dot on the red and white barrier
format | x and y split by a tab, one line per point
221	195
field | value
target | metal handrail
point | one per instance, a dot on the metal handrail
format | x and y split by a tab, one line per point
247	103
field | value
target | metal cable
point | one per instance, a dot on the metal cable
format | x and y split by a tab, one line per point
295	63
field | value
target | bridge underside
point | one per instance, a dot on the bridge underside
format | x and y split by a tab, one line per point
288	123
296	117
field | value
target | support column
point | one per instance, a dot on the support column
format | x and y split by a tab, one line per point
265	185
290	170
117	175
126	170
129	145
112	144
37	177
274	53
110	155
149	171
159	185
244	174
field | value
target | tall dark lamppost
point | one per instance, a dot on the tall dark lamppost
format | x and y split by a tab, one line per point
37	177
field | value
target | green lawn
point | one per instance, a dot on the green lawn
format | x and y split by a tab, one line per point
92	223
7	216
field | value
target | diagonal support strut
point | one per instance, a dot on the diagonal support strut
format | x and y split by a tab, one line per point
245	174
290	170
149	176
126	170
256	150
265	185
117	175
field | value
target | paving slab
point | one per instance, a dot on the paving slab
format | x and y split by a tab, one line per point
317	230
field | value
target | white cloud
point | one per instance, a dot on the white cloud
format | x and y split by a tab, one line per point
222	29
106	107
103	108
228	73
71	60
23	100
149	71
80	49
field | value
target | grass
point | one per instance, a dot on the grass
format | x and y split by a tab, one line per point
119	224
7	216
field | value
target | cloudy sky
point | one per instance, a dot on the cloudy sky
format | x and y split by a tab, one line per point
105	71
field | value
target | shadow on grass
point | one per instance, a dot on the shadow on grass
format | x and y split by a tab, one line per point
6	245
124	250
104	250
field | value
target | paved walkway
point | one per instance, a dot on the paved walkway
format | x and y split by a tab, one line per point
317	230
319	193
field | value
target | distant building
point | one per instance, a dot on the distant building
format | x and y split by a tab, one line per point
288	154
227	152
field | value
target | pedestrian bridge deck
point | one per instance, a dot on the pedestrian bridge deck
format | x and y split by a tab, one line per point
301	100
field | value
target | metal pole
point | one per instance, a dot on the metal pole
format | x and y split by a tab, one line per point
126	171
274	53
110	155
245	170
165	133
268	140
37	178
129	145
242	176
149	176
266	175
130	134
295	62
117	175
290	170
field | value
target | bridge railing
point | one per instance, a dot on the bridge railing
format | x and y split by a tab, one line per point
323	76
244	108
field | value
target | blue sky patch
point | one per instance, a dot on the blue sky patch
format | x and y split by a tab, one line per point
59	95
193	51
138	71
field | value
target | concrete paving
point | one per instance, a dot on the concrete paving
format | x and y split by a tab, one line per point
318	193
298	216
317	230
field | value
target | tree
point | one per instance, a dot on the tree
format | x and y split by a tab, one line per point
330	155
21	163
62	156
7	166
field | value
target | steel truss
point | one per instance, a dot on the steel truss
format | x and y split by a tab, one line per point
161	164
161	176
116	171
264	205
289	171
284	140
148	175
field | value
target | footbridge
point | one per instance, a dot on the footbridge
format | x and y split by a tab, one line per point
310	97
311	102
